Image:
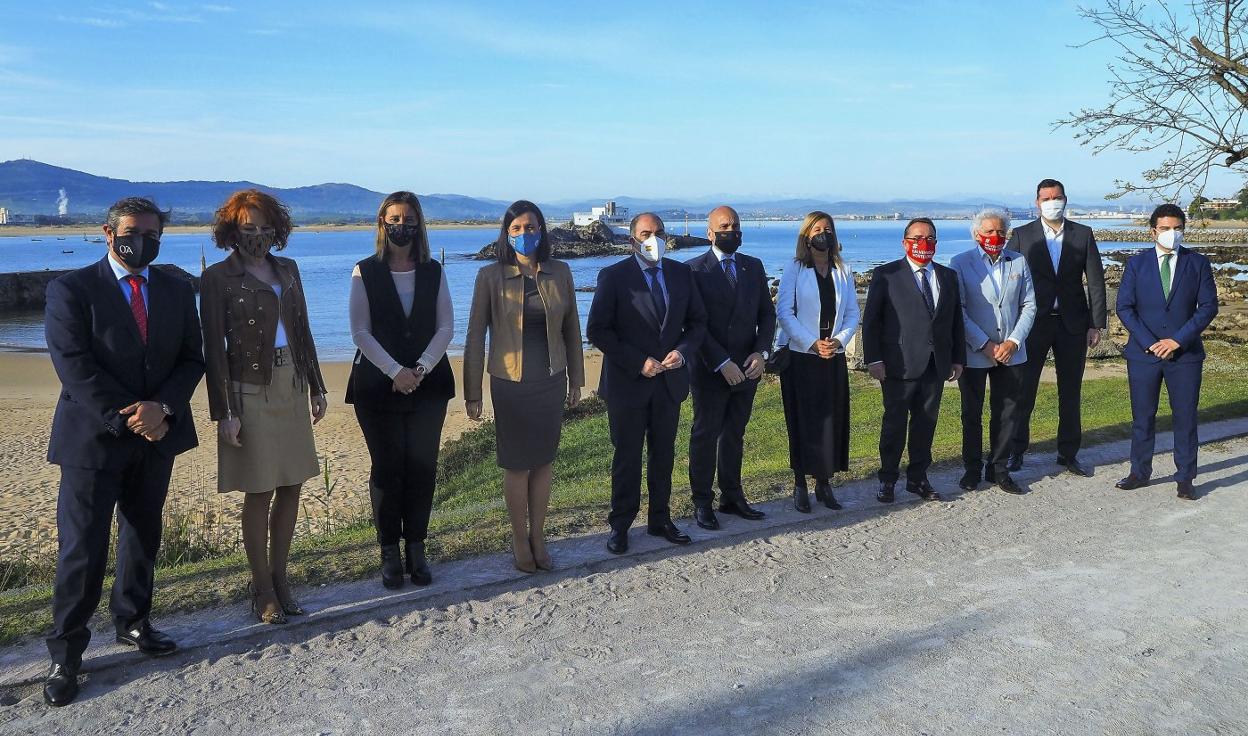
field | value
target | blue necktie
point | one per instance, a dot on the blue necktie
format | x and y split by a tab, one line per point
656	293
730	270
927	292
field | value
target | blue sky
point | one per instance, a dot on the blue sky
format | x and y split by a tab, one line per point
558	100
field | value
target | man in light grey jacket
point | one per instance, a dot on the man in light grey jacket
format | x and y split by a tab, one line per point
998	309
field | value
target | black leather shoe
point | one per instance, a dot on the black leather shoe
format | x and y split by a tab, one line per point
885	494
823	492
742	509
801	499
417	565
1075	466
617	542
1186	490
61	687
670	532
923	489
1007	484
1131	482
1015	463
391	566
969	480
990	473
705	518
147	640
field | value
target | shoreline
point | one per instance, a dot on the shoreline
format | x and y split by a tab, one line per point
94	231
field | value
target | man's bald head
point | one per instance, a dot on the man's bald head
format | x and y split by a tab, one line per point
645	225
721	220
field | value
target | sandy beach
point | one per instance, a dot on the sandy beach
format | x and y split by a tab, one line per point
28	484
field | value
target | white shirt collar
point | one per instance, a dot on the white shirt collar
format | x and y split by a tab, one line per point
1162	253
722	255
120	271
646	265
1049	232
988	259
914	267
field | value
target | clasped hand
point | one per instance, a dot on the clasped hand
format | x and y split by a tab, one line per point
652	367
407	380
999	352
147	419
826	349
1164	348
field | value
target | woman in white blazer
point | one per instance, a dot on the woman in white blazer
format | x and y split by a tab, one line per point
817	308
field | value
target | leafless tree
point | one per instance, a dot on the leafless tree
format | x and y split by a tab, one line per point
1179	88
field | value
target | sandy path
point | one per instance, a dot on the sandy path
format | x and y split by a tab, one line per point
1075	609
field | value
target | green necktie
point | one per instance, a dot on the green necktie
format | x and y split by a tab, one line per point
1165	275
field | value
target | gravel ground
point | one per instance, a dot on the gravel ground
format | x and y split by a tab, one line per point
1075	609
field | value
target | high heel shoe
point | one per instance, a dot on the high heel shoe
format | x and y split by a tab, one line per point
289	603
264	617
823	492
801	499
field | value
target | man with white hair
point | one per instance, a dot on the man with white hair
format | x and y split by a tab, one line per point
998	309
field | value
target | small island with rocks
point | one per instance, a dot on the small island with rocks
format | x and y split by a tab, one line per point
594	239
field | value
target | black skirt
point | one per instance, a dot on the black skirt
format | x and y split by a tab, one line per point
815	393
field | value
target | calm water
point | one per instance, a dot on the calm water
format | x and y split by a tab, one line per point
325	261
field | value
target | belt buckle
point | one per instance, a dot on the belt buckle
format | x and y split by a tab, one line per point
280	357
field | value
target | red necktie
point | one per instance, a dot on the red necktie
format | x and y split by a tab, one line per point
137	306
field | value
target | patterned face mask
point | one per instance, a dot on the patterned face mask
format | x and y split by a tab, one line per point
402	234
255	245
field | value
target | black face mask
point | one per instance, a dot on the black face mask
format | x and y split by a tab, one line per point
257	245
728	242
402	234
136	251
823	242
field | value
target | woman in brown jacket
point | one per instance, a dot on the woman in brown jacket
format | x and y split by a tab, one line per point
262	377
527	303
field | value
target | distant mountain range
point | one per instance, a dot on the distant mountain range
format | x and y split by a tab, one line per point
30	187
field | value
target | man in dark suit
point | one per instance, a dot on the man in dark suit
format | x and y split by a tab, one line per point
913	340
1166	300
741	322
1061	255
648	320
126	344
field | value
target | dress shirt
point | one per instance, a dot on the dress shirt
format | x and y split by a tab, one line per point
931	279
1174	261
995	269
645	266
1053	240
121	273
722	256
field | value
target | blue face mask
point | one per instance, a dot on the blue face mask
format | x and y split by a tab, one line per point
525	244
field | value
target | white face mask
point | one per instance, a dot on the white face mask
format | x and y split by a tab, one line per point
653	248
1170	239
1053	209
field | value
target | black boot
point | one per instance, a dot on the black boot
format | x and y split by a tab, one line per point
417	565
823	492
801	498
391	566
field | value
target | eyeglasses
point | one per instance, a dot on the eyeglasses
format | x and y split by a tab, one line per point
254	230
929	239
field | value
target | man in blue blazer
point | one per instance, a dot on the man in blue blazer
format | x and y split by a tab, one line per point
126	344
1166	300
648	320
998	309
741	324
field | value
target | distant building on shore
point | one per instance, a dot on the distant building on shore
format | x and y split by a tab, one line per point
4	216
608	214
1217	205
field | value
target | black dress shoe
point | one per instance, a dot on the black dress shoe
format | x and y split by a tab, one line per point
923	489
969	480
617	542
885	494
1015	463
1186	490
1075	466
147	640
742	509
417	565
705	518
391	566
823	492
61	687
1007	484
670	532
990	473
801	499
1131	482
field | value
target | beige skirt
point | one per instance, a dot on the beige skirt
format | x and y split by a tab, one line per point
276	436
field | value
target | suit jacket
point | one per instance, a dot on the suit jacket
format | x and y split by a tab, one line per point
739	321
798	306
624	325
897	329
989	313
104	366
1080	310
1149	316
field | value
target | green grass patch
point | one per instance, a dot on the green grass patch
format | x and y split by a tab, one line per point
201	567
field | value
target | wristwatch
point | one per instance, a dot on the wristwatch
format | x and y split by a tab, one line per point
766	354
165	408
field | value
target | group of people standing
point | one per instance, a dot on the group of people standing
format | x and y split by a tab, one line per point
130	347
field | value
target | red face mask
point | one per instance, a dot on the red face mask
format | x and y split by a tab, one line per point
992	244
920	250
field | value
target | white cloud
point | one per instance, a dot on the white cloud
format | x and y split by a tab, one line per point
92	21
217	8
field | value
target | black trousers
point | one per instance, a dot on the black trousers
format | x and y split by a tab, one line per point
653	424
1005	381
404	450
1070	354
84	524
917	403
717	440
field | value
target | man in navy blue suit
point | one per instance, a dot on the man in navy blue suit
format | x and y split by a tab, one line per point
648	320
1166	300
126	344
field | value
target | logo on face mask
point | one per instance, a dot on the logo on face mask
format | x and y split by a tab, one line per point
525	243
921	249
729	241
992	244
136	251
653	248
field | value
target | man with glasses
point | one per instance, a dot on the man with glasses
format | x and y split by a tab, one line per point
1061	255
913	340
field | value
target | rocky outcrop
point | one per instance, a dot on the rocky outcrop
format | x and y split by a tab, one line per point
26	290
595	239
1191	235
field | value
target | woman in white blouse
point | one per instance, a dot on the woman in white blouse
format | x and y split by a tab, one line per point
401	381
817	308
